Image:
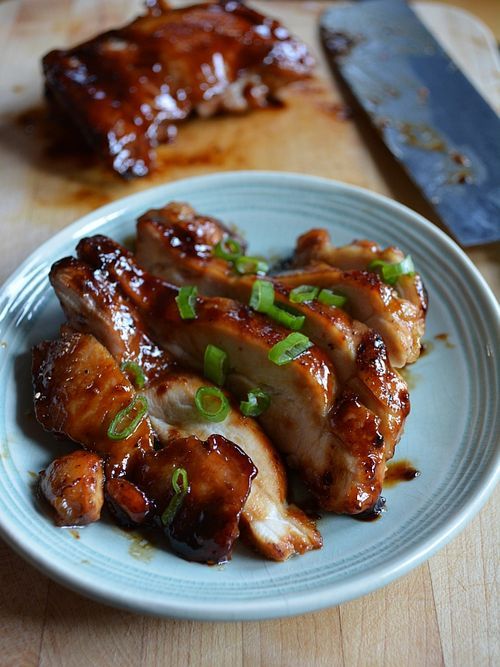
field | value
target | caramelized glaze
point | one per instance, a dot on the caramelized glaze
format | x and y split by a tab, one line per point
127	89
78	390
73	486
219	478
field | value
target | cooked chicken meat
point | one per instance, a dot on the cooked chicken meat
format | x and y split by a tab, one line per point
177	244
397	312
79	391
330	438
127	89
127	503
95	305
218	475
73	485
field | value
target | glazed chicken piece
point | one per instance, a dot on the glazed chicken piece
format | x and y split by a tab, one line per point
397	312
127	89
219	476
95	305
79	390
220	472
335	444
73	485
370	301
177	244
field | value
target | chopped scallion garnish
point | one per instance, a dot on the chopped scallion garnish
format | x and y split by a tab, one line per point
262	297
134	372
390	273
283	317
330	298
127	420
228	249
215	364
289	349
211	404
258	401
303	293
246	265
186	302
180	491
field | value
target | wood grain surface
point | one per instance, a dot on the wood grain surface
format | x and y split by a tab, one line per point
445	611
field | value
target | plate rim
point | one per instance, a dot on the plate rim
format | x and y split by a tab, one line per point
291	603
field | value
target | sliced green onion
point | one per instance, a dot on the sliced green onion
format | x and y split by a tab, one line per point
133	370
289	349
329	298
180	491
127	420
251	265
186	302
303	293
257	403
180	472
391	272
228	249
283	317
215	364
211	404
262	297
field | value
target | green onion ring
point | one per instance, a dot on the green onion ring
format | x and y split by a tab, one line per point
180	491
330	298
131	368
285	318
215	364
246	265
228	249
289	349
258	402
206	395
390	273
186	302
117	431
262	297
303	293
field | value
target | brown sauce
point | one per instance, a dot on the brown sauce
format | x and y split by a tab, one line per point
141	546
400	471
426	348
75	534
445	338
374	513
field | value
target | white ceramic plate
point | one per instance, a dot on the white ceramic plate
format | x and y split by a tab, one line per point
450	434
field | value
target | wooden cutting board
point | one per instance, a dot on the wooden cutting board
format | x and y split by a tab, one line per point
444	612
45	186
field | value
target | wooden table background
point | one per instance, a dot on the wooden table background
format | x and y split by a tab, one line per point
443	612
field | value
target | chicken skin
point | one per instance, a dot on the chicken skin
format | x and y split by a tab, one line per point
126	90
178	245
220	473
95	305
73	486
397	312
79	391
332	440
